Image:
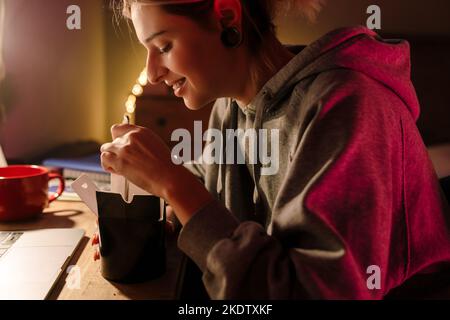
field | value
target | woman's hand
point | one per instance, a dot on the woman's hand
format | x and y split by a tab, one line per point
142	157
95	243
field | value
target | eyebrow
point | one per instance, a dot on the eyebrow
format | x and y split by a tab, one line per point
153	36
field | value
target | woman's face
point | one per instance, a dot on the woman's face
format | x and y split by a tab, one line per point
184	55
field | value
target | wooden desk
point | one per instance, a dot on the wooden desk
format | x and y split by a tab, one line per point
93	286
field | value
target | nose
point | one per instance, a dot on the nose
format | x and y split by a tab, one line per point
155	71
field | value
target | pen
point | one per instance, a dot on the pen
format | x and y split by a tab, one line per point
126	120
3	162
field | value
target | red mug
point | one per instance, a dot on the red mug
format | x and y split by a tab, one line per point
24	191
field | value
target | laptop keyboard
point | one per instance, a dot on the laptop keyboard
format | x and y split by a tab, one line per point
7	239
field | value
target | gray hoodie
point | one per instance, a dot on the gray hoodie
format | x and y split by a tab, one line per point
354	207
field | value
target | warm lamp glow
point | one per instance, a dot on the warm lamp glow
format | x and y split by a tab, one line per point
143	79
131	108
131	99
130	105
137	90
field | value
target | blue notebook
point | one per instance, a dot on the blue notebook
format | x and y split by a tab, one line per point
89	163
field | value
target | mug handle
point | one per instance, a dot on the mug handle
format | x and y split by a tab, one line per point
62	185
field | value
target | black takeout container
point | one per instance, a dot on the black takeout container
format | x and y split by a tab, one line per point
132	237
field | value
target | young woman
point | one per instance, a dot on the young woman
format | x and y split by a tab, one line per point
353	210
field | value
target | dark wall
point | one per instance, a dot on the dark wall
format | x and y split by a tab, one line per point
426	24
430	59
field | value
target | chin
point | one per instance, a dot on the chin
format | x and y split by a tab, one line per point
196	104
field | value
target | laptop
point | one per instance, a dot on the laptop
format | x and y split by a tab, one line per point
32	261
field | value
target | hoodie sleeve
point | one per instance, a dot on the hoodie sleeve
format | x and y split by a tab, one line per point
337	227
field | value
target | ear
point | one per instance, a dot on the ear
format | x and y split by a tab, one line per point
229	12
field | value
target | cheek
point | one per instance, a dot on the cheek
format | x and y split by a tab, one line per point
200	58
199	74
190	59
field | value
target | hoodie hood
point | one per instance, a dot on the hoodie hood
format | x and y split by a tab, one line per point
356	193
358	49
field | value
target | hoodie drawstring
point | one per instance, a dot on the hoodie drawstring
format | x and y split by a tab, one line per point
256	167
229	121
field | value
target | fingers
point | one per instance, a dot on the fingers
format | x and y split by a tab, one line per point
119	130
171	220
170	226
95	239
107	147
95	242
108	160
169	212
96	255
114	146
109	153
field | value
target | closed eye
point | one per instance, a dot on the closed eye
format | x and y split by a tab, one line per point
165	49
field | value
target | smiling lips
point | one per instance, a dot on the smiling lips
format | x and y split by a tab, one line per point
177	85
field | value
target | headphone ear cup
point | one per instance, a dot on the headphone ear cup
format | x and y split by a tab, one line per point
231	37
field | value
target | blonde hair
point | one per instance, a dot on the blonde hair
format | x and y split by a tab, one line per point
257	18
307	8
